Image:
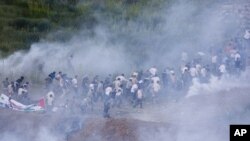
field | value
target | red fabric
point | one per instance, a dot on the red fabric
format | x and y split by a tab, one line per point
41	103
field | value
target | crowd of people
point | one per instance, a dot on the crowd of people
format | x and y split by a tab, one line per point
138	87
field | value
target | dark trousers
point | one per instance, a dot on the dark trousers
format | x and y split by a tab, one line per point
138	102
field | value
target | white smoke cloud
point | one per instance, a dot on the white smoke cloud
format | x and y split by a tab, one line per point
226	83
77	56
204	115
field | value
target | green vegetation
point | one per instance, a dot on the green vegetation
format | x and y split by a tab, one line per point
23	22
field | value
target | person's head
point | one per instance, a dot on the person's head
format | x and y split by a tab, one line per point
6	78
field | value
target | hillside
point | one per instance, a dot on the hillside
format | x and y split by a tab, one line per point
23	22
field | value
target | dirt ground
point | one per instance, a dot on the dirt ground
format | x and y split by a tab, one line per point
27	127
129	124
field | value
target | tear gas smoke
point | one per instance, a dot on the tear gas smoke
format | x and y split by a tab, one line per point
184	27
208	109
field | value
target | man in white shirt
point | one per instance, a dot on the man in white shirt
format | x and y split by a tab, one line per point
107	102
122	77
22	94
193	71
10	89
75	84
21	91
222	69
50	99
99	90
153	71
155	89
237	56
118	97
247	34
139	98
108	91
133	91
117	83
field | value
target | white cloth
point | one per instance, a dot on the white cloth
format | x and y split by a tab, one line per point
134	88
171	72
237	56
134	80
247	35
61	82
108	90
203	72
21	91
201	53
58	76
198	67
91	86
117	84
119	92
10	89
135	74
183	69
122	78
222	68
50	98
74	82
156	87
139	94
153	71
193	71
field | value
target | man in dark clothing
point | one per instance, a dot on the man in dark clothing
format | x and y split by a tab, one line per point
18	84
52	75
85	85
107	104
20	80
165	78
108	81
